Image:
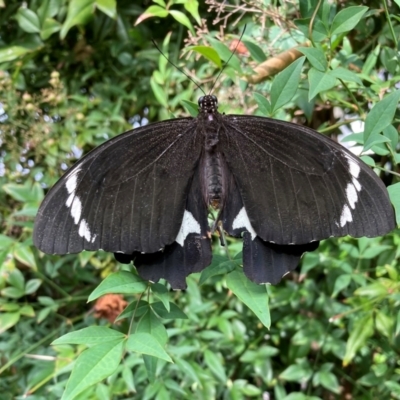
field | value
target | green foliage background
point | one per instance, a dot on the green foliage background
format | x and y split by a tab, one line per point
74	73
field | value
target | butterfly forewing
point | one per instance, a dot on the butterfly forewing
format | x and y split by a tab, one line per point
127	195
298	186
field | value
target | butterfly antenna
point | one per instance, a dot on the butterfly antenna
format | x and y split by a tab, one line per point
179	69
229	59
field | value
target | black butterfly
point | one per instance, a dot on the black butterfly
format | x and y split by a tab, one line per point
145	196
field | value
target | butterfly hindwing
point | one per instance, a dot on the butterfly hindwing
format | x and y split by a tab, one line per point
127	195
299	186
191	251
263	262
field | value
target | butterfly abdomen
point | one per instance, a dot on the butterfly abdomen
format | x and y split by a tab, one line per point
214	179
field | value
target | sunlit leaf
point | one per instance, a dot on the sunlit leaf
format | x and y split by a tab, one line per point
254	296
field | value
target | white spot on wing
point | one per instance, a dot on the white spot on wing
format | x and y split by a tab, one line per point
84	230
242	221
356	184
76	210
352	195
346	216
75	205
69	200
189	225
354	168
352	190
72	181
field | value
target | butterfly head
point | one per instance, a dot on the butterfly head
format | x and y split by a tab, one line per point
208	104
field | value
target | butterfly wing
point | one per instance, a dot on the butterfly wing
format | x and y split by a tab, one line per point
298	186
191	251
263	262
127	195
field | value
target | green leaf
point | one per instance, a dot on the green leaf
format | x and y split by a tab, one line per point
285	84
209	53
380	117
28	20
225	54
49	27
215	364
133	307
190	372
8	320
24	254
316	57
391	133
174	313
108	7
298	396
92	366
374	251
9	307
6	241
24	193
159	93
44	313
374	140
254	296
375	289
329	381
219	266
16	278
150	323
384	324
263	104
12	52
394	194
144	343
48	9
309	261
371	60
150	363
191	107
79	13
12	292
28	210
356	137
128	378
319	30
346	19
256	52
394	388
192	7
319	82
162	293
342	281
368	160
92	335
152	11
27	311
296	373
122	282
182	19
32	286
362	330
345	75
